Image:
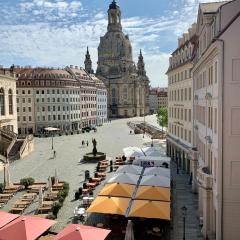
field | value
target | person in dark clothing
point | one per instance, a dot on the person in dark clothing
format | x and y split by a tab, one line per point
54	154
87	143
124	158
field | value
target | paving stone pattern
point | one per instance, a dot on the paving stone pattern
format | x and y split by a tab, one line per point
183	196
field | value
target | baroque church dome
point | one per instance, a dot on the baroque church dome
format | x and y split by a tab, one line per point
115	50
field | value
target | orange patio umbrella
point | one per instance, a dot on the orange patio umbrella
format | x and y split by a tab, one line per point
150	209
6	218
117	190
153	193
109	205
80	232
25	228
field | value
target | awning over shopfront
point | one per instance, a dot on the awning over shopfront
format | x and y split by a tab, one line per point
133	169
117	190
109	205
150	209
153	193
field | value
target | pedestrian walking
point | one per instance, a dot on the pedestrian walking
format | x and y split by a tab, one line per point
54	154
82	143
87	143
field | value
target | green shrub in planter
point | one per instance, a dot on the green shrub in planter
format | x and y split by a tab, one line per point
1	187
62	194
56	207
66	186
61	199
27	182
51	216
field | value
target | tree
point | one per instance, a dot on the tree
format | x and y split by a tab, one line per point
27	182
162	117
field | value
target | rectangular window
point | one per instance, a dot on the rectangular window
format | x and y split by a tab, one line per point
190	115
215	120
29	109
190	136
216	72
190	94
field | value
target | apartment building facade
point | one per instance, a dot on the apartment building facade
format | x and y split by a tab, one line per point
61	98
8	109
158	97
180	103
216	79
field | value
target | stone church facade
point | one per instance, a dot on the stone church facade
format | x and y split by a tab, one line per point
127	84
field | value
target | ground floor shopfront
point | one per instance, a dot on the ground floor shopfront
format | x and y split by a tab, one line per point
185	158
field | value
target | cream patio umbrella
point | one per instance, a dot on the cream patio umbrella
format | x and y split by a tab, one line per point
56	177
40	200
7	175
133	169
129	231
49	185
155	180
157	171
153	151
133	152
126	178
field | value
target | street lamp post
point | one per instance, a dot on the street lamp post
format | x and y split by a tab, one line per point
184	214
177	160
52	140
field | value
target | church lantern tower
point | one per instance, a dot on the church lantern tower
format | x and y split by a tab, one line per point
88	62
114	17
141	65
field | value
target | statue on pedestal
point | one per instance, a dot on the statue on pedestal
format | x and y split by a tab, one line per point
94	151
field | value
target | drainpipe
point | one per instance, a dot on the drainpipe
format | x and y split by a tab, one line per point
222	139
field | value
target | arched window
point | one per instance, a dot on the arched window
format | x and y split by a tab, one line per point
10	101
113	95
2	102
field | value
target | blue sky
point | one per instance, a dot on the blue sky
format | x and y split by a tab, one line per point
56	32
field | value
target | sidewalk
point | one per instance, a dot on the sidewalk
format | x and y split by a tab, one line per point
182	196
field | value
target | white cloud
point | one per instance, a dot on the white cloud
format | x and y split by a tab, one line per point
53	38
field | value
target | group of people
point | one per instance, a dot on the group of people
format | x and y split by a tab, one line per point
83	143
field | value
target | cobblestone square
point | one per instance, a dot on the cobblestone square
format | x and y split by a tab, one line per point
111	139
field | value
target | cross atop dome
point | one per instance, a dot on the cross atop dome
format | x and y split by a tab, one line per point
113	5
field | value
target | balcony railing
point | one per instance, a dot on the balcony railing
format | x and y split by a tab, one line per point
204	178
